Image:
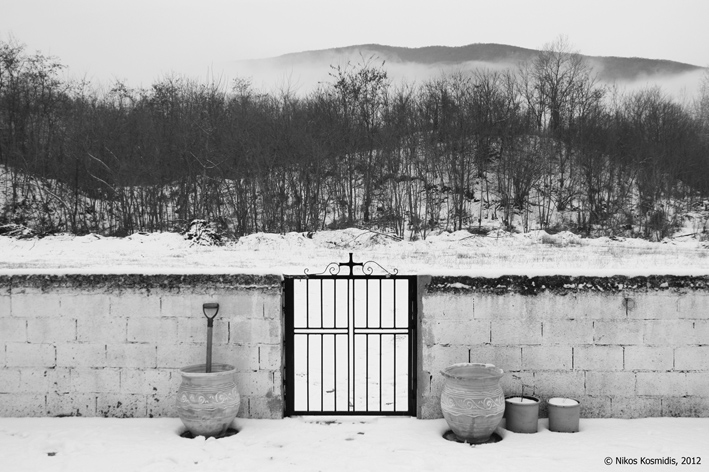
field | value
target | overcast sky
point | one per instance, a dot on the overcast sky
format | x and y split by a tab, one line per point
141	40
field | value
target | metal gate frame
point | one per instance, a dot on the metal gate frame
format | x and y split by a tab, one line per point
332	272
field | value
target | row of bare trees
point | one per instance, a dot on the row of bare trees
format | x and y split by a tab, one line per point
543	146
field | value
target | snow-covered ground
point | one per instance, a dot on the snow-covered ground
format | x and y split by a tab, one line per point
345	444
459	253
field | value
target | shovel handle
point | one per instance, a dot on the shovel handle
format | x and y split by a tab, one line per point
210	306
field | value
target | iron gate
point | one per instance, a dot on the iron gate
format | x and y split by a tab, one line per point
350	342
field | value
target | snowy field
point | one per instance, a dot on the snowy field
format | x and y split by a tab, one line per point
459	253
342	444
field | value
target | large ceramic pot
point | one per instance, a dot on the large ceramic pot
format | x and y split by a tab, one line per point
472	400
207	403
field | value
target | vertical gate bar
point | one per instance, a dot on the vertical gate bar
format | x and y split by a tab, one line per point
322	316
394	370
349	347
307	303
307	370
322	372
380	310
334	381
366	397
380	366
366	297
413	343
354	346
290	347
395	326
394	314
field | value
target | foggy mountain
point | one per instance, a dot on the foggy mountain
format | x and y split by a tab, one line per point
302	71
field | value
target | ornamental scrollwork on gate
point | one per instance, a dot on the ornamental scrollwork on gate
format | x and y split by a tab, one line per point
368	268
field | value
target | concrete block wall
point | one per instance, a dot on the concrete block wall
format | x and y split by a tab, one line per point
113	345
624	347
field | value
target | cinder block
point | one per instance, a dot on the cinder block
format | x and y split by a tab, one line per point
516	332
618	332
51	330
153	330
255	331
668	333
270	357
81	355
446	306
34	303
648	358
71	404
5	304
85	305
176	356
22	404
13	330
113	405
654	306
101	329
559	384
496	307
271	306
596	305
235	304
692	358
567	331
698	384
146	382
693	305
537	358
507	358
161	406
190	305
194	330
87	380
134	305
429	408
701	331
57	380
614	384
30	355
661	383
258	384
595	407
9	381
131	355
266	407
459	333
598	358
693	407
244	358
438	357
514	383
635	407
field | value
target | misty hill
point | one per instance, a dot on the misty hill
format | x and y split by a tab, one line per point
425	62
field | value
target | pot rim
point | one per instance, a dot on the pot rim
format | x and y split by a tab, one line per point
555	405
489	371
199	370
528	397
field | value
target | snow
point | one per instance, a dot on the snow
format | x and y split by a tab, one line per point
458	253
339	444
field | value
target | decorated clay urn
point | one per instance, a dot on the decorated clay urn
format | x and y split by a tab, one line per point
472	400
207	402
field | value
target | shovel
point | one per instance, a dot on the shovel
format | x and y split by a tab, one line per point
207	307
